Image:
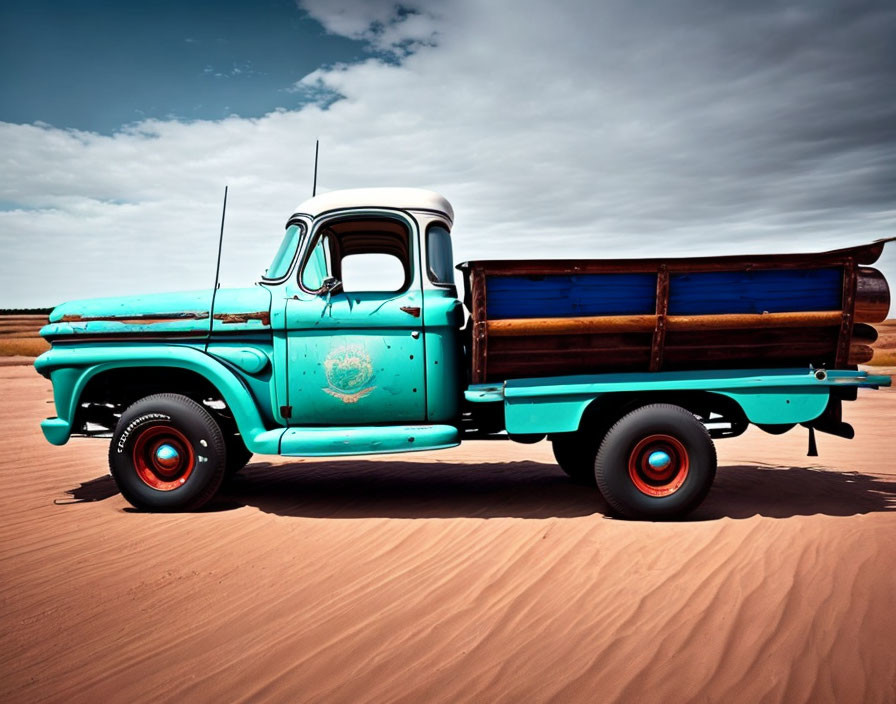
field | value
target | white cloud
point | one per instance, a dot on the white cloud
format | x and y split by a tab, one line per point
555	131
395	28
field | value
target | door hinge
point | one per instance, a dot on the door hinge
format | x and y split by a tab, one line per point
286	411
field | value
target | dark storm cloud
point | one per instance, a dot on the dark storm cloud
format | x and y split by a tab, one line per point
778	106
800	99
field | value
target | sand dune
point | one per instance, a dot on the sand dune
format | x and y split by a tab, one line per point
475	574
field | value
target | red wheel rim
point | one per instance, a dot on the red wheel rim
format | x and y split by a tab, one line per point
163	457
658	465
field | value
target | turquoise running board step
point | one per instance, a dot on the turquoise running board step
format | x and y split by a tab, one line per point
366	440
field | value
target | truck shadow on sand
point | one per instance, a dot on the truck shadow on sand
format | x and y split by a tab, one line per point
365	489
376	489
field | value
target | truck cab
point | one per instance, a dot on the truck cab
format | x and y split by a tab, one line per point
364	311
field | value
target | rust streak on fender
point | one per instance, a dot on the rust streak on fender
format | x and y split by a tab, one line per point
148	319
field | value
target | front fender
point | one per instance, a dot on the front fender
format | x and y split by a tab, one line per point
71	368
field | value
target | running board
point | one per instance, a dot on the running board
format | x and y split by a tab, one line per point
366	440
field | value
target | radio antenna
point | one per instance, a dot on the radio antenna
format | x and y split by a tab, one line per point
314	186
211	312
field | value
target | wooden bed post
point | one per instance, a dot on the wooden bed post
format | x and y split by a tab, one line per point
848	315
662	309
480	330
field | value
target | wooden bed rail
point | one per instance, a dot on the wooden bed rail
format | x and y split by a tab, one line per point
647	323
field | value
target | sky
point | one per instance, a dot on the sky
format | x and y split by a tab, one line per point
556	129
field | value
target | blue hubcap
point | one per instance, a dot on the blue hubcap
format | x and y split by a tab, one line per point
166	455
659	460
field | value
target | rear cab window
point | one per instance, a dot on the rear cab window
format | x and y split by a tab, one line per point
439	255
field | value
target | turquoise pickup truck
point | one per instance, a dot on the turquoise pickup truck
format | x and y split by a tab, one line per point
357	341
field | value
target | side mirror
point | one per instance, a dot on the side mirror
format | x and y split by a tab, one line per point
330	285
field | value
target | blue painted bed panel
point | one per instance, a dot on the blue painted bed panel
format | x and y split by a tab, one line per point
698	293
773	291
570	295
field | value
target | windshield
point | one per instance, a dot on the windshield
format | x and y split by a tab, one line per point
283	259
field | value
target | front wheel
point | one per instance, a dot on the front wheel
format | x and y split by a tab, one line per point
238	455
167	454
657	462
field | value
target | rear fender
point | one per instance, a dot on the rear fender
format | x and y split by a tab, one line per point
557	404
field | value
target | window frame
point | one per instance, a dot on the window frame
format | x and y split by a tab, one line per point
314	237
303	231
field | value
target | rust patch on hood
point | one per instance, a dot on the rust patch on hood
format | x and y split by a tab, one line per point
227	318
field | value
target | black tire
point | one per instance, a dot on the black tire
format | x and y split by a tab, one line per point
238	455
167	454
575	454
635	486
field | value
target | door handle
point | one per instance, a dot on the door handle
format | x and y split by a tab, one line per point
412	310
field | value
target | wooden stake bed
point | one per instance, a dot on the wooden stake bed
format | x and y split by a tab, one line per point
537	318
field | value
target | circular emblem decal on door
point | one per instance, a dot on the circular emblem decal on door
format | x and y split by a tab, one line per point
349	372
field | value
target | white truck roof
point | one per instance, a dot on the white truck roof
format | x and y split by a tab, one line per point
402	198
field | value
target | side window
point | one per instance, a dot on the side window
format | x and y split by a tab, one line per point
439	257
365	254
316	269
372	272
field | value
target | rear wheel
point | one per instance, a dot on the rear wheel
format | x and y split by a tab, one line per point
657	462
778	429
575	453
167	454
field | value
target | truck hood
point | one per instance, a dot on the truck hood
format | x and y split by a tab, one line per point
181	314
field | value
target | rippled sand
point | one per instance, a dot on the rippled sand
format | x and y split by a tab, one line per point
474	574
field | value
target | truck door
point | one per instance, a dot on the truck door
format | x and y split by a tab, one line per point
354	325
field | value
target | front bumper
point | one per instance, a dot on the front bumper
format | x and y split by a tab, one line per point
56	430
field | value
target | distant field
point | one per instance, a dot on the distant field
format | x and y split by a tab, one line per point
19	335
885	347
19	338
